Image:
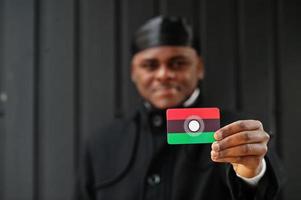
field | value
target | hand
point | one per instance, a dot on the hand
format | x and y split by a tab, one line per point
243	144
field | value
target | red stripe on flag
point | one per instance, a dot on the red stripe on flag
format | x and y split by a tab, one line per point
183	113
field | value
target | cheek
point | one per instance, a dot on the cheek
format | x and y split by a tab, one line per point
189	79
189	82
143	81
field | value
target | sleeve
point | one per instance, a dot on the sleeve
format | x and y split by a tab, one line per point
254	181
268	187
271	183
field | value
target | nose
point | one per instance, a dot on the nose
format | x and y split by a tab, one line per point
164	73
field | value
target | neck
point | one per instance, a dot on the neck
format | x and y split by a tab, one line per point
187	103
192	99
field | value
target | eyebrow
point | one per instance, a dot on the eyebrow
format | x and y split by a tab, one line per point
178	57
171	58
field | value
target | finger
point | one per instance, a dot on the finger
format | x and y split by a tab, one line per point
246	137
238	126
241	150
244	160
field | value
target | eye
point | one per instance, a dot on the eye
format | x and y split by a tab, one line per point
149	65
178	64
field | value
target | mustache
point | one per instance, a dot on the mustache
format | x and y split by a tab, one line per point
166	86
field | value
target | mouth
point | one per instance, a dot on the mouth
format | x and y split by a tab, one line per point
166	90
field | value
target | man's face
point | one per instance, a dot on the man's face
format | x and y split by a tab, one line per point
166	76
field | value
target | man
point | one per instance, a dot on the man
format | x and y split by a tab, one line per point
131	159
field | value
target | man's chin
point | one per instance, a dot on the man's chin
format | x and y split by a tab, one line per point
165	104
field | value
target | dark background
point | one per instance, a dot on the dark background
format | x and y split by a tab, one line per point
64	72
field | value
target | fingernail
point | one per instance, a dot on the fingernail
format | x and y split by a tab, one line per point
215	146
214	154
218	135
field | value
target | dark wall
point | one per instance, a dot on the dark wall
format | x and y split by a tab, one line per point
64	72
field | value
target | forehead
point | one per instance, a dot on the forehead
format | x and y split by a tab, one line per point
165	52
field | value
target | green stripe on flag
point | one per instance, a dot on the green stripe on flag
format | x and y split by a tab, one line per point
184	138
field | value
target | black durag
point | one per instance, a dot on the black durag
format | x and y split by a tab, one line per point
163	30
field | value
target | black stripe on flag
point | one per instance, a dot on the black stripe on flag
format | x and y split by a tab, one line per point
177	126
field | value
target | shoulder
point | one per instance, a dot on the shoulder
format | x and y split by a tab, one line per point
110	150
116	133
108	132
228	116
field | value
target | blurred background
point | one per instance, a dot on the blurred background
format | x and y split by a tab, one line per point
64	72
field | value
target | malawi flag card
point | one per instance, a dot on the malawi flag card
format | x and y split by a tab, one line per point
192	125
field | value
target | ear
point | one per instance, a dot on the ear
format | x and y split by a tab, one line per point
201	68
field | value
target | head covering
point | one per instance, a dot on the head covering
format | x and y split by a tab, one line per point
164	30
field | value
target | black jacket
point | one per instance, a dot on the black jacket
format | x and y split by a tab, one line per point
130	160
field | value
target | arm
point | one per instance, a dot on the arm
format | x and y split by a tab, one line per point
244	144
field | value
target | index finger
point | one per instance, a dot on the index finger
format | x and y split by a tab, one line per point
238	126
